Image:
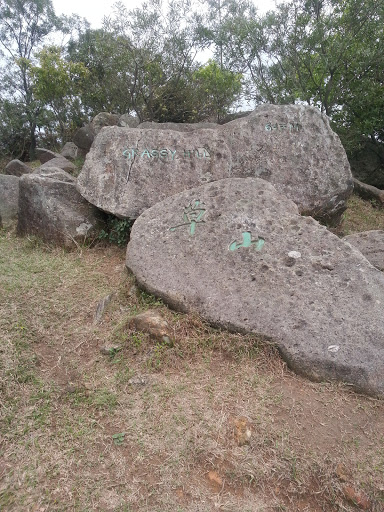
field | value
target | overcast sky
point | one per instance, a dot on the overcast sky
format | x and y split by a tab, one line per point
94	11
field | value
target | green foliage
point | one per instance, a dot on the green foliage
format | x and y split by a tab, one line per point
14	130
326	53
108	85
118	439
329	54
117	231
58	84
217	89
23	27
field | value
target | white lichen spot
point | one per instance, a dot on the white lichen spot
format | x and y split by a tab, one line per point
83	229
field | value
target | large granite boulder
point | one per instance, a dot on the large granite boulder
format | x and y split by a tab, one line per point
17	168
238	253
177	127
51	208
104	119
84	137
294	148
125	181
59	162
291	146
9	198
128	121
371	244
44	155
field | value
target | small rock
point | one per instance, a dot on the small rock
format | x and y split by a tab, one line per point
128	121
341	473
242	431
70	151
358	498
102	306
110	350
138	381
17	168
104	119
152	323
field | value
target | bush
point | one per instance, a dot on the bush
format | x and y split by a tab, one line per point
117	231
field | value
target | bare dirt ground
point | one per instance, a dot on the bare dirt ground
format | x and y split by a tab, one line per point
153	427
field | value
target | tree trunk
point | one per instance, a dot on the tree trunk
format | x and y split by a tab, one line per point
32	145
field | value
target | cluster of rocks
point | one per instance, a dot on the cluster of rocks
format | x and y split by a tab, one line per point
225	226
292	147
45	201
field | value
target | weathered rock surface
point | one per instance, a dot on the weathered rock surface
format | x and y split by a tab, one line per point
291	146
128	121
54	173
237	252
177	127
70	151
104	119
84	137
59	162
371	244
9	198
152	323
17	168
51	208
45	155
294	148
126	184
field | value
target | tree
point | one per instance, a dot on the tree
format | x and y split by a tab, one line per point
109	64
327	53
24	26
217	89
144	60
58	84
14	130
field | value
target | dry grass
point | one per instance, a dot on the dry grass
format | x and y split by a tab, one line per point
362	215
78	436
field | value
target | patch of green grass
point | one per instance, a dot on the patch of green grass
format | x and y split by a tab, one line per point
123	375
102	399
7	498
148	300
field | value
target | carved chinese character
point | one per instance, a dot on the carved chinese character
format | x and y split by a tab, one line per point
193	214
248	242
